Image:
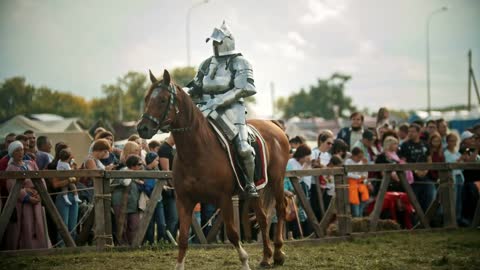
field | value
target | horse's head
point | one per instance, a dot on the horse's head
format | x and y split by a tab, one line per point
160	106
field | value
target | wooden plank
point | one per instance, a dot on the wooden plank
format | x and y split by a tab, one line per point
323	171
328	215
87	226
476	216
320	199
306	206
50	174
375	215
108	212
148	213
397	167
10	205
344	216
53	212
447	199
198	231
430	213
139	174
464	166
413	199
100	234
217	225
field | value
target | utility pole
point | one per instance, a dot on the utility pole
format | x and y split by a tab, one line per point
272	91
471	78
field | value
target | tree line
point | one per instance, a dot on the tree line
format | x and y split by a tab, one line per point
123	100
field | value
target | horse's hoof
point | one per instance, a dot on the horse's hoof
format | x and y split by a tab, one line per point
265	265
279	261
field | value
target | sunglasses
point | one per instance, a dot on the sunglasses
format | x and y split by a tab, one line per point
329	143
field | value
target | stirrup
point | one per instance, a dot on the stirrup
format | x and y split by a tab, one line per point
251	191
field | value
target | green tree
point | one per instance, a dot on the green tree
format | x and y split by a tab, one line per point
124	99
183	75
46	100
322	100
16	97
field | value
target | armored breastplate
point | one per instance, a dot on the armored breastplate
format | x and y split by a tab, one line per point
218	79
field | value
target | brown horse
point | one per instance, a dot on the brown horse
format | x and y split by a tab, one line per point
202	172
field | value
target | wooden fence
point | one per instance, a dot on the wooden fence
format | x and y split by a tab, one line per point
101	217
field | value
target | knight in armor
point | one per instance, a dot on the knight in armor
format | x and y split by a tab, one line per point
219	88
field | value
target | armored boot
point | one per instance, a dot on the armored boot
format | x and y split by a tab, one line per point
247	156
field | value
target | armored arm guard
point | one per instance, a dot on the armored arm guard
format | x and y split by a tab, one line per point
195	86
243	83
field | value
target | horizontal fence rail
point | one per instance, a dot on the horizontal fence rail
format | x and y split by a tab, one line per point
338	207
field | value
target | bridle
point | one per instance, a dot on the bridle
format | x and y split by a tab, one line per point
172	103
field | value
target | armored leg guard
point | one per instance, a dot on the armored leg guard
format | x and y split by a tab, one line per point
247	155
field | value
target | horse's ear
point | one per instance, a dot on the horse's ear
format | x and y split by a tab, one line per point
166	77
152	77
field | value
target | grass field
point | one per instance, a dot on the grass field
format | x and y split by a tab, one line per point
459	249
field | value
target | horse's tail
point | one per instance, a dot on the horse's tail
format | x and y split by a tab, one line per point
277	123
268	200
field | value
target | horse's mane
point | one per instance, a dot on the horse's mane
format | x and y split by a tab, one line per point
194	117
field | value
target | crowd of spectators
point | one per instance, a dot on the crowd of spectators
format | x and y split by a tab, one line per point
354	144
387	144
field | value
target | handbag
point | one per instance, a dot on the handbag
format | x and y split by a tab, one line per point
142	201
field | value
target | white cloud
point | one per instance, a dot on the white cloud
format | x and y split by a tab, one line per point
321	10
296	37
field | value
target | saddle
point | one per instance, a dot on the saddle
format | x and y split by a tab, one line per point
258	143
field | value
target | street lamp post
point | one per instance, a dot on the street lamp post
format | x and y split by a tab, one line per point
442	9
189	11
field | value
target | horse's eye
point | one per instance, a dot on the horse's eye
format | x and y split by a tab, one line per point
162	101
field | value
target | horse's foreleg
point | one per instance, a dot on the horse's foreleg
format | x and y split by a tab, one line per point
262	221
185	218
232	234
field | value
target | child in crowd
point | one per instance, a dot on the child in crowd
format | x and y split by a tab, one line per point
358	191
335	161
64	162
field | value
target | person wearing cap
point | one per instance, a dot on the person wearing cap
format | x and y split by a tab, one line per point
365	143
467	139
158	218
26	229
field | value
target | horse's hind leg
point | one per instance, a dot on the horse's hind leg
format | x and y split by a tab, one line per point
262	221
232	234
278	255
185	210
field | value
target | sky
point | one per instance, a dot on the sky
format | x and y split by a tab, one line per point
77	46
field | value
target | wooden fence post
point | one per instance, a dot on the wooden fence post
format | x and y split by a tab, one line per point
10	205
476	216
107	204
217	225
100	234
375	215
343	205
148	213
447	199
328	215
318	189
53	212
306	206
236	214
413	199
